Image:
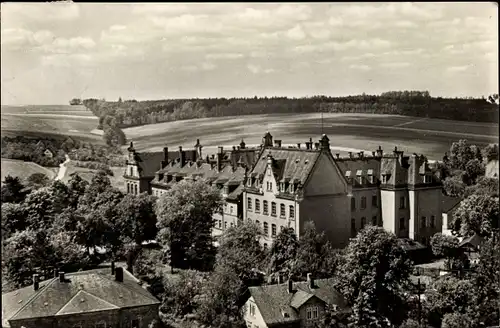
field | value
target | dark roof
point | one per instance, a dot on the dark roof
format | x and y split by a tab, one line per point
93	290
288	163
474	240
410	244
149	162
274	300
364	164
449	203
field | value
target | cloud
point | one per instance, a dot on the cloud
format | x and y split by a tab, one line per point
395	65
296	33
360	67
203	67
224	56
256	69
41	12
458	68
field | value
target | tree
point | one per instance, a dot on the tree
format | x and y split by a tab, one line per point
456	320
477	214
240	251
76	188
37	181
180	295
185	223
137	223
315	254
460	154
222	299
448	247
13	219
98	184
373	275
474	169
39	209
12	190
283	254
484	186
490	152
113	136
454	186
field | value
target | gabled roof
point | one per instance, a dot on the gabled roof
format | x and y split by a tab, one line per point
474	240
274	300
290	163
85	291
149	162
449	203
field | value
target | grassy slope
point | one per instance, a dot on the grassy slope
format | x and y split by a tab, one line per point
23	169
87	174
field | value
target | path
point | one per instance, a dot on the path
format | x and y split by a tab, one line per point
63	168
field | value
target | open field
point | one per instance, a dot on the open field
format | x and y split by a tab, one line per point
21	169
87	174
347	132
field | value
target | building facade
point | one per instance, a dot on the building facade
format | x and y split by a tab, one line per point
86	299
277	187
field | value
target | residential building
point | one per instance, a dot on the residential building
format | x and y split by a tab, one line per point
492	169
289	186
277	187
293	304
101	298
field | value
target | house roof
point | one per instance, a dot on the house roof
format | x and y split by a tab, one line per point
288	163
149	162
449	203
274	300
85	291
365	166
474	240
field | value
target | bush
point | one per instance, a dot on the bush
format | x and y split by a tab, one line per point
94	166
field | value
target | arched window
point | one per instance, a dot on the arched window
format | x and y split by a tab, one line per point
273	208
266	228
135	188
249	202
363	203
257	206
273	230
266	209
282	210
353	204
128	188
292	212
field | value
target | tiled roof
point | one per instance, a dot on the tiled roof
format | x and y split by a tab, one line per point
289	163
367	165
149	162
274	300
93	290
449	203
474	240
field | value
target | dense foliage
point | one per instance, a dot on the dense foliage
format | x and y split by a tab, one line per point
411	103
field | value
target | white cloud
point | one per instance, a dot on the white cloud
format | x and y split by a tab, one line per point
296	33
395	65
43	37
458	68
224	56
256	69
16	38
42	11
203	67
360	67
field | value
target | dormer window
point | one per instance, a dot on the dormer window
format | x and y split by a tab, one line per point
348	176
427	178
283	187
359	176
385	178
371	178
291	188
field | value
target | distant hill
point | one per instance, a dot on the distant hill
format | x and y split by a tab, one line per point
408	103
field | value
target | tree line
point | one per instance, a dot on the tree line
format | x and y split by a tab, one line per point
410	103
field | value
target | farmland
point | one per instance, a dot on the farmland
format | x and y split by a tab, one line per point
347	132
23	169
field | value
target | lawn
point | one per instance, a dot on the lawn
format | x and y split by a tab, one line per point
23	169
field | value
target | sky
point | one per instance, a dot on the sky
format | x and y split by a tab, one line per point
52	52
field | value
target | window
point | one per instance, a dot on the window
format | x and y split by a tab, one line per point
273	230
353	227
363	222
249	202
363	203
374	201
252	310
230	210
402	223
427	178
433	221
273	208
257	205
135	188
269	186
423	222
292	212
374	220
353	204
312	313
385	178
266	228
402	202
100	324
128	188
266	210
135	323
225	225
282	210
371	179
283	187
131	170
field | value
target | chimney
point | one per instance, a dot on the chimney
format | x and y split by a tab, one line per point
219	159
298	145
290	286
350	154
182	156
61	276
373	153
165	155
316	145
36	283
337	155
360	154
112	267
310	281
379	151
119	274
277	143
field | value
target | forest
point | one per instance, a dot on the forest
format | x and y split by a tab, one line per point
128	113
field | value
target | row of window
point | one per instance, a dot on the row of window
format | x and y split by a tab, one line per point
219	224
363	224
291	208
424	223
312	313
363	202
132	188
265	226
